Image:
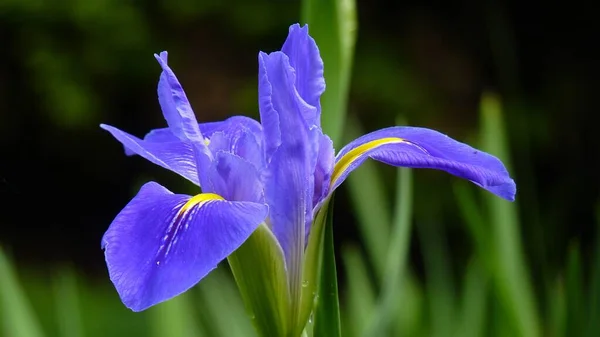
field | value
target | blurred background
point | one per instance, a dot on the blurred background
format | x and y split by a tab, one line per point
515	79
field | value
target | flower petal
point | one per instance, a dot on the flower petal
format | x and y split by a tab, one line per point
290	187
161	149
425	148
323	169
269	117
235	178
161	243
243	137
305	59
238	135
175	105
232	123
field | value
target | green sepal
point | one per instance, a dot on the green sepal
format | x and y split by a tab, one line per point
312	266
258	267
327	309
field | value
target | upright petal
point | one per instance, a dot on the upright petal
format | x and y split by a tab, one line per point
289	187
323	169
161	149
306	60
269	117
425	148
161	243
180	116
175	105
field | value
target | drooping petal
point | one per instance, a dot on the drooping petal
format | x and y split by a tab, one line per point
235	179
161	149
424	148
161	243
289	183
305	59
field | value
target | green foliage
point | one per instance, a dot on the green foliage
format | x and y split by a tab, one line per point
18	318
259	270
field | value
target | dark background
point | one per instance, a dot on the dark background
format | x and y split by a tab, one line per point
66	67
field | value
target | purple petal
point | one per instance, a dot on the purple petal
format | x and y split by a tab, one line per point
290	187
324	168
235	178
176	107
161	149
305	59
269	117
156	250
425	148
238	135
232	123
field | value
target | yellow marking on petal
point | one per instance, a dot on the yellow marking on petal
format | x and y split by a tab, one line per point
199	200
344	163
206	141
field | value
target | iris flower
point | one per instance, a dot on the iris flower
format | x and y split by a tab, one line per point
278	173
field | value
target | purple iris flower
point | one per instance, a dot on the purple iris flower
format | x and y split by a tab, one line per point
279	172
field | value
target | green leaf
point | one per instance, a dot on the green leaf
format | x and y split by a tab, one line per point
575	297
68	313
509	267
371	206
593	323
439	285
327	310
174	318
474	302
396	258
18	319
360	293
333	25
222	307
258	267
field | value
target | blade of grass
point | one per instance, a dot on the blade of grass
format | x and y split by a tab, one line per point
593	323
333	25
66	301
174	318
223	307
557	311
474	302
439	284
510	273
17	316
575	300
369	202
410	303
360	293
396	258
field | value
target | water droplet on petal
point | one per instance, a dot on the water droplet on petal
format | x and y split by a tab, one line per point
305	284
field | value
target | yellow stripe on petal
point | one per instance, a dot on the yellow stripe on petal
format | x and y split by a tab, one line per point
199	200
344	163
